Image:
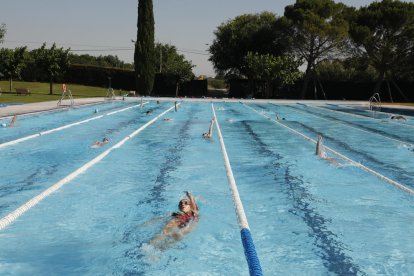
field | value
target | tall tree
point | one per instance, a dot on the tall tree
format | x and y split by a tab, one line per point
12	63
383	32
53	61
319	29
144	56
2	32
261	33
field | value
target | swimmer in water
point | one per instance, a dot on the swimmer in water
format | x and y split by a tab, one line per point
179	224
149	112
207	135
398	118
321	152
319	146
13	121
278	117
100	143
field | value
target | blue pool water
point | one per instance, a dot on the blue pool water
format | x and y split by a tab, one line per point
307	216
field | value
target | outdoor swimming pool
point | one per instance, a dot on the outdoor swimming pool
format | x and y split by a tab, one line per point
307	216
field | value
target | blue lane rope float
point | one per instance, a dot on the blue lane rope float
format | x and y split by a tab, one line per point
246	237
357	164
11	217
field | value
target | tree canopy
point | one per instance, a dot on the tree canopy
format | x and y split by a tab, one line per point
319	31
268	68
170	62
383	33
2	32
54	61
101	61
12	63
261	33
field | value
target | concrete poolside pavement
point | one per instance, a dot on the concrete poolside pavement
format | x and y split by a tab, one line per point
12	110
20	109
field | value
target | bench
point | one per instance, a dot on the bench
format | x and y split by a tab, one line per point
22	91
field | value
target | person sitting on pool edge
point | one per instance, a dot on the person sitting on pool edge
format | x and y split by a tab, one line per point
100	143
179	224
207	135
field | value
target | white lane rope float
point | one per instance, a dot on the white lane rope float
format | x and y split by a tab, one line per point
357	115
8	219
247	240
54	110
357	164
16	141
383	136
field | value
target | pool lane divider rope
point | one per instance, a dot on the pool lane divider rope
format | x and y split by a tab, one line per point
357	164
373	133
357	115
246	237
369	111
13	142
11	217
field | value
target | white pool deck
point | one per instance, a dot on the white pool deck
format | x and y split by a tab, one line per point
12	110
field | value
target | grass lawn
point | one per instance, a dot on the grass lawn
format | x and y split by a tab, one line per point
40	92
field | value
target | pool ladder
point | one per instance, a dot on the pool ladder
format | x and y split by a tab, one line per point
375	103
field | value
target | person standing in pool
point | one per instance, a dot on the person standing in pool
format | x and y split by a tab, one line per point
179	224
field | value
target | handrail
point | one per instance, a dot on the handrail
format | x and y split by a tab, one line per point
375	102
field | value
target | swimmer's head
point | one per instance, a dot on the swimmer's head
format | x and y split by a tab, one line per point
184	204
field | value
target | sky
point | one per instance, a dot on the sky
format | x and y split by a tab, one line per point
107	27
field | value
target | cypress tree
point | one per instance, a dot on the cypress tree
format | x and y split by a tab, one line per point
144	56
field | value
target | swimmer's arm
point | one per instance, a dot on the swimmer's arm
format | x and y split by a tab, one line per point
210	131
193	203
